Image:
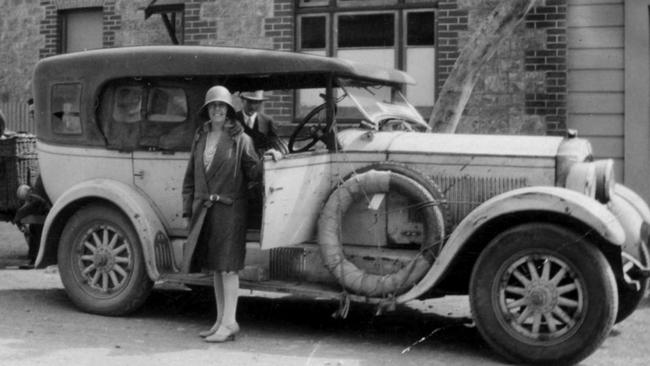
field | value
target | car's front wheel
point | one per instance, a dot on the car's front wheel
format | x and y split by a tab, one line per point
541	294
101	262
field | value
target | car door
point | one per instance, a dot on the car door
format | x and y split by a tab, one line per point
294	191
162	152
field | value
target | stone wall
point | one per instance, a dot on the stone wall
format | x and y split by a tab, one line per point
20	41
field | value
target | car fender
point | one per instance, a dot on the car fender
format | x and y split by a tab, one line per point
550	199
133	204
633	214
634	200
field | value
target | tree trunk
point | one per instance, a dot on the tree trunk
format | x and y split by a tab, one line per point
480	48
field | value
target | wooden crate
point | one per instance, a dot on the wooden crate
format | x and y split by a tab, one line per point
18	165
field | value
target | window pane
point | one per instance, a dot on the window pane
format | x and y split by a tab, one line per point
308	99
128	104
167	105
83	30
420	27
65	109
313	2
365	2
312	32
380	57
366	30
420	64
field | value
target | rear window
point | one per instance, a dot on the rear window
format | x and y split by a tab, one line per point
65	109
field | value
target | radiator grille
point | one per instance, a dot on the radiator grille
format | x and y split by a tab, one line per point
466	193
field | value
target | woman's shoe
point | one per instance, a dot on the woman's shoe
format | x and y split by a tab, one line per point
209	332
225	333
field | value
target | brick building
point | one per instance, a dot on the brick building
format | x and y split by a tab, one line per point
571	63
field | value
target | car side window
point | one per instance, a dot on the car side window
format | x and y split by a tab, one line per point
166	104
146	115
65	103
128	104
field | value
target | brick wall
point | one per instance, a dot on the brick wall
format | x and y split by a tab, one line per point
522	90
549	61
451	23
49	29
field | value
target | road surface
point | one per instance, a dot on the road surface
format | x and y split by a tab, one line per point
40	326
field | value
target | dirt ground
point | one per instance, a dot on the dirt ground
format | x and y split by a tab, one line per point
40	326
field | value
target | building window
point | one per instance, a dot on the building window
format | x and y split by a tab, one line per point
314	31
81	29
419	54
366	37
390	33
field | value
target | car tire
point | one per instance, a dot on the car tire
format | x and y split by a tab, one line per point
101	262
428	183
541	294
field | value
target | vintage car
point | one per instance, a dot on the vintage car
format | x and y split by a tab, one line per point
367	205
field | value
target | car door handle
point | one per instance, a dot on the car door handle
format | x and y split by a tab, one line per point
139	174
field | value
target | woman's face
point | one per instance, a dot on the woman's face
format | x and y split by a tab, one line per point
217	111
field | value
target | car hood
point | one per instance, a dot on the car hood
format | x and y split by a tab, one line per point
456	144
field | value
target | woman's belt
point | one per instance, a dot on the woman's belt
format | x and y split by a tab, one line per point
195	231
212	198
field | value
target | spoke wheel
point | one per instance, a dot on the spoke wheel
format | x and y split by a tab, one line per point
101	262
540	298
542	295
105	260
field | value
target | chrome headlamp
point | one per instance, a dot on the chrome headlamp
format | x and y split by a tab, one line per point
594	179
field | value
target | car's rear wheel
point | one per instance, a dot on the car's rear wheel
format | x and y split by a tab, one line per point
101	262
542	295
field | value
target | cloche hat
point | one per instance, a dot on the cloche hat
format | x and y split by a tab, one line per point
217	93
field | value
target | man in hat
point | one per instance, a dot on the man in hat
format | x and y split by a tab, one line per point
259	126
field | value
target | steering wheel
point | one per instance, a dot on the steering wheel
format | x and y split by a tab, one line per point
317	132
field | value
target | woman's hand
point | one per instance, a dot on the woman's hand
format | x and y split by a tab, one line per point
274	154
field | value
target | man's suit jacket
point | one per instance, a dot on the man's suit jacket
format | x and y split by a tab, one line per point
263	131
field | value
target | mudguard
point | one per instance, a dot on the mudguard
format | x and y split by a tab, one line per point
633	214
550	199
136	207
634	200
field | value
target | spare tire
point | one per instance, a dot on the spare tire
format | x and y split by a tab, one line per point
365	185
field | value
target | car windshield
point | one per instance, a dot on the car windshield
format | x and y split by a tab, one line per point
380	103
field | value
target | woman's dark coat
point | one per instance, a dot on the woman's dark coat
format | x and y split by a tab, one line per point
221	245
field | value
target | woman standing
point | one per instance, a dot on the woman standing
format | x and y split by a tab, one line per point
221	164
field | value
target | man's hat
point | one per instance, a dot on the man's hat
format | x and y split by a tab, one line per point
256	96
